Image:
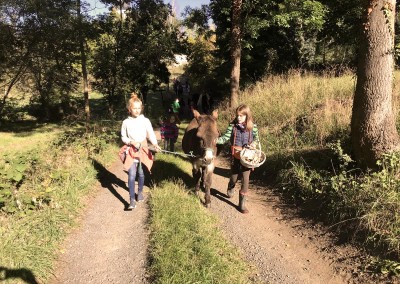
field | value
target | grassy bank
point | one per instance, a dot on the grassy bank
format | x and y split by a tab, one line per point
304	122
43	184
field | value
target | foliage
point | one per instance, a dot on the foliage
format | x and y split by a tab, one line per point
133	50
198	20
278	36
25	182
361	202
41	52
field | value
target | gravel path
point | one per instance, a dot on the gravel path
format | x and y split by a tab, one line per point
111	244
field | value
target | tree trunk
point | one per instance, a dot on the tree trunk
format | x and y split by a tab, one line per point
8	87
83	62
373	129
235	51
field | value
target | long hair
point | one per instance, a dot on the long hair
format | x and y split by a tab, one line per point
245	110
134	99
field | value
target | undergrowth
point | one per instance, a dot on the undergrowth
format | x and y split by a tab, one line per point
365	205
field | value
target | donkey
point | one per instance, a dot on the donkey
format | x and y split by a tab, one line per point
200	140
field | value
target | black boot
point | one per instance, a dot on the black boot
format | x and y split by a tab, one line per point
242	204
231	190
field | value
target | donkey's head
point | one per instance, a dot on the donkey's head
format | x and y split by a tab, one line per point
208	133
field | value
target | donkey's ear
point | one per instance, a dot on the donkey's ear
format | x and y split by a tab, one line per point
196	114
215	114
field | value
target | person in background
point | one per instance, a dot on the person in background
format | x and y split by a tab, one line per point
175	107
135	131
241	132
169	133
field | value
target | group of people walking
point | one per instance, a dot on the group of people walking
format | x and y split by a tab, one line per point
137	129
184	101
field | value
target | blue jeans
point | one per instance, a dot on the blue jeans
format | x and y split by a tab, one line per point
135	168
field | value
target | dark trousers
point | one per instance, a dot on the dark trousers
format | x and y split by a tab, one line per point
237	170
169	144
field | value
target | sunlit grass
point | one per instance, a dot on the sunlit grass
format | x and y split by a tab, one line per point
49	197
186	245
26	140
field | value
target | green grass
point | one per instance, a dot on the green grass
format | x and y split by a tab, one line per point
186	245
25	137
48	199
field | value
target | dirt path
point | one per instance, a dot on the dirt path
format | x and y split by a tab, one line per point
283	249
111	244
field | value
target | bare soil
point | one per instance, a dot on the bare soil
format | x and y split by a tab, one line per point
111	244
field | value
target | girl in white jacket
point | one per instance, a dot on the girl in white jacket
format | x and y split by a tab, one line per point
135	131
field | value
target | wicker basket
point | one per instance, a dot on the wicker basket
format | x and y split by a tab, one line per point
252	158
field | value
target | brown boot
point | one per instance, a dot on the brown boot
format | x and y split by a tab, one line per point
242	204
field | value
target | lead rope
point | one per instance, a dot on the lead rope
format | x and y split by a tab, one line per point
175	153
181	154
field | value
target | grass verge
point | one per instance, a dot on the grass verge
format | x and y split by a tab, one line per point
186	245
46	198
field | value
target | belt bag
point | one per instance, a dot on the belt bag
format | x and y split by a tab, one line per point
236	151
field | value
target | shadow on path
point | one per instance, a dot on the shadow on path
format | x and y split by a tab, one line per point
25	274
223	197
109	180
222	172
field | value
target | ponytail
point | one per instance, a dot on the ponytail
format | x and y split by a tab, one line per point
134	99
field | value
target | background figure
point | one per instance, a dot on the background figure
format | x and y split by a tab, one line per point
186	99
195	101
169	133
205	103
175	108
175	86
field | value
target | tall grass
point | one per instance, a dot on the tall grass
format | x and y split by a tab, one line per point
296	110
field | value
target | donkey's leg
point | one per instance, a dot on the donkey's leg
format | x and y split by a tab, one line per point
208	172
197	179
207	197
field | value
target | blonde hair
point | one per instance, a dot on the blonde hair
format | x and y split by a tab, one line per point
245	110
134	99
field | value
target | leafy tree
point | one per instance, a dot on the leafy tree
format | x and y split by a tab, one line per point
275	35
14	50
41	52
373	128
133	51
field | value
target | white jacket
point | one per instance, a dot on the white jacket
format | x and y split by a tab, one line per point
137	129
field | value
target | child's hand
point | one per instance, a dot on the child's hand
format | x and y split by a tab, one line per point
158	148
